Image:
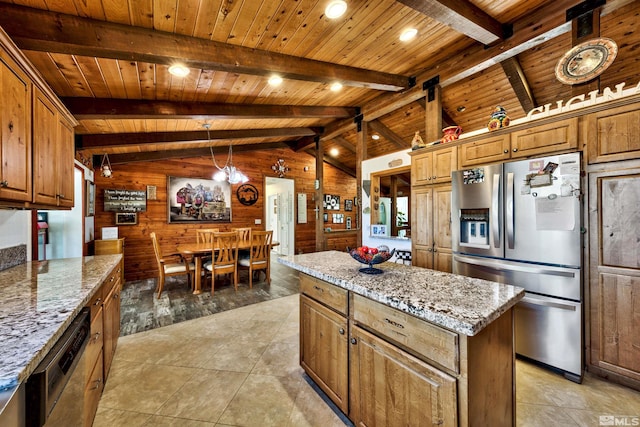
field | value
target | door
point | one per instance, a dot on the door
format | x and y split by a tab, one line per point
476	211
279	214
542	210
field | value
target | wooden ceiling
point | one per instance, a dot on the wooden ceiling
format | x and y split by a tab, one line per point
108	61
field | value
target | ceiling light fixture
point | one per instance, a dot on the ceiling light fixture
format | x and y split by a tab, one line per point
335	9
228	172
336	86
178	70
275	80
105	166
334	152
375	136
408	34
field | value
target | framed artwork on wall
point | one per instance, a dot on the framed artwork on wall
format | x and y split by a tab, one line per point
332	202
348	205
91	199
198	200
126	218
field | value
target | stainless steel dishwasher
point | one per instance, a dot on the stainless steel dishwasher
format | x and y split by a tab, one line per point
55	390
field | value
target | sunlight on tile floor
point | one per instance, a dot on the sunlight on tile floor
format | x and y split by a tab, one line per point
240	368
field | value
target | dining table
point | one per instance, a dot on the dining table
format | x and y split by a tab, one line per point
198	250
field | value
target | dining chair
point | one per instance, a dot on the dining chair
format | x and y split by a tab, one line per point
259	255
205	235
224	257
170	265
244	237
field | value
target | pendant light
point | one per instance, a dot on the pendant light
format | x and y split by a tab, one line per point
228	172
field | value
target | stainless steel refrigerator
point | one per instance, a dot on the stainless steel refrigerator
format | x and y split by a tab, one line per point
520	223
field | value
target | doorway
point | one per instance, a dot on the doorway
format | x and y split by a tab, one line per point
279	215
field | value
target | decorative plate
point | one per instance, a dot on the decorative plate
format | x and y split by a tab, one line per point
586	61
247	194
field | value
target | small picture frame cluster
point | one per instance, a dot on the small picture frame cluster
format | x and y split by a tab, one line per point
126	218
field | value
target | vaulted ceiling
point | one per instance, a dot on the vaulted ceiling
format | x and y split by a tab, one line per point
108	61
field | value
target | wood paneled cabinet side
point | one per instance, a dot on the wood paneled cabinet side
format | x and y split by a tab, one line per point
614	274
52	155
613	134
15	132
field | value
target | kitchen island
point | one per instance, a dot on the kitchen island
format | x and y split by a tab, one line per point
38	302
410	346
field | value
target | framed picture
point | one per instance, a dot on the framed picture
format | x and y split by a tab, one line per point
151	192
91	198
379	230
348	223
198	200
325	217
332	202
348	205
126	218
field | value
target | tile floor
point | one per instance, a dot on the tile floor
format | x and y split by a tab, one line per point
240	368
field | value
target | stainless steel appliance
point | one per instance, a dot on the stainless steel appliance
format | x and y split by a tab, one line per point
55	390
520	223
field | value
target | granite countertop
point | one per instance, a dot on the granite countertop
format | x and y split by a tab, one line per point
38	301
462	304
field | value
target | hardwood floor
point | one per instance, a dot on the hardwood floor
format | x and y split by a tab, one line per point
240	367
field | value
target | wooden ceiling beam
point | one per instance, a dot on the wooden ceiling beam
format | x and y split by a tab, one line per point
97	108
385	132
44	31
343	143
92	141
463	16
152	156
519	83
304	144
336	164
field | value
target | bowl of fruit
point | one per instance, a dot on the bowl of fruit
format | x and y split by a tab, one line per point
371	256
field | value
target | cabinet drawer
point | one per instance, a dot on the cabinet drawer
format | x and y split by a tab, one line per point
92	392
326	293
95	304
111	282
424	339
94	345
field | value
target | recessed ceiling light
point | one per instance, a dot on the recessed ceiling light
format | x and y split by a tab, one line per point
335	9
334	152
375	136
336	86
178	70
275	80
408	34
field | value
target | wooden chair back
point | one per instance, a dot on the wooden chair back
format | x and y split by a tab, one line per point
224	256
170	265
259	255
205	235
244	235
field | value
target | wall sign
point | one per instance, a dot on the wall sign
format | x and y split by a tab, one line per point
125	200
247	194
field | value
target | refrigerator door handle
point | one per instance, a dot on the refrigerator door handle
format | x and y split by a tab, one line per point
509	211
502	267
495	206
545	303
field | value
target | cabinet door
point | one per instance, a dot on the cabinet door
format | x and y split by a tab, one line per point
487	150
421	226
324	349
15	132
442	228
45	151
614	271
65	164
544	139
111	324
421	172
422	395
612	135
444	161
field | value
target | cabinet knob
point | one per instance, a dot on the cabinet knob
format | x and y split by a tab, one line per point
341	330
11	126
96	337
4	184
429	250
354	341
505	151
98	382
98	301
435	249
434	177
428	178
60	195
515	149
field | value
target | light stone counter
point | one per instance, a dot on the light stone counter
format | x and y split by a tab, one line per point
459	303
38	301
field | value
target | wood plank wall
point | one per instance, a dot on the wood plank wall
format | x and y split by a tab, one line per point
139	260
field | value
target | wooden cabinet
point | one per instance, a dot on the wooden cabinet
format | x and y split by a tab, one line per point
422	394
612	135
614	273
36	131
433	167
105	329
431	208
558	136
431	227
15	132
323	337
111	247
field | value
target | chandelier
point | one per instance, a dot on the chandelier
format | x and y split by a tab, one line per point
228	172
105	166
